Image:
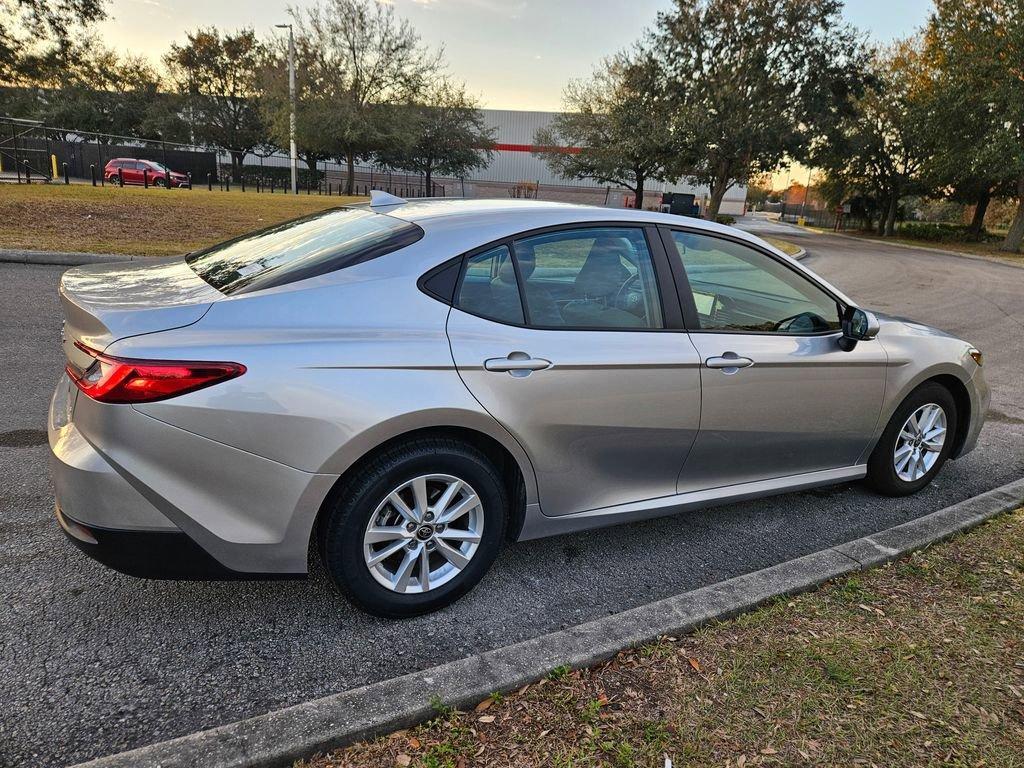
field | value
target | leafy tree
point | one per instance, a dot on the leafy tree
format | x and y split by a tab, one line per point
217	75
445	133
615	127
977	47
99	91
880	148
362	58
752	80
759	191
312	134
961	165
32	31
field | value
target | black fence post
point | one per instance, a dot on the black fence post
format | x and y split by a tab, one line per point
64	167
92	173
28	173
209	182
188	174
227	183
145	178
243	182
120	176
328	189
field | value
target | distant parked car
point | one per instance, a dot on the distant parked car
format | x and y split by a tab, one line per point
132	172
404	385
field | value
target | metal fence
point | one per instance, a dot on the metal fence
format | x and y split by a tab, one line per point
824	218
33	152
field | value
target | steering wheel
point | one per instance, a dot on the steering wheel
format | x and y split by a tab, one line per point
786	323
629	304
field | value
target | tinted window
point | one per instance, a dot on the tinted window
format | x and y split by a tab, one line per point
295	250
601	277
736	288
489	287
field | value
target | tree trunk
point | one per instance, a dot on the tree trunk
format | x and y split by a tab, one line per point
639	192
426	181
890	217
978	220
237	156
718	190
350	181
1016	234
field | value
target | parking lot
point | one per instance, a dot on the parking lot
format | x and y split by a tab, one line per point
92	662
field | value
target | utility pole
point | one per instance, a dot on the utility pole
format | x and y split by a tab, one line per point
291	99
807	191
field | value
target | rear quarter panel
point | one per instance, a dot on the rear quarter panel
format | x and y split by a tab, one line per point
333	370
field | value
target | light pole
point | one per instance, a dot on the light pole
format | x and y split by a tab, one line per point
291	100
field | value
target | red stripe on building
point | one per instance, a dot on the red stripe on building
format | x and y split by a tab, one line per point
535	148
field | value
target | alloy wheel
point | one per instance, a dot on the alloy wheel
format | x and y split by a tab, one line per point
920	442
423	533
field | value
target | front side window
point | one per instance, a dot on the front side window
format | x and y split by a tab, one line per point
601	277
302	248
737	288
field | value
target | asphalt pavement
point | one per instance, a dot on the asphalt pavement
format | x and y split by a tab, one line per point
93	662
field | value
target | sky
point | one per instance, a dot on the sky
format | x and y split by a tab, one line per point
512	54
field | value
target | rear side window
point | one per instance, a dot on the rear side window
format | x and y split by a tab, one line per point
302	248
490	287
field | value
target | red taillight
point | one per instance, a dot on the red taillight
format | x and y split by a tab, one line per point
119	380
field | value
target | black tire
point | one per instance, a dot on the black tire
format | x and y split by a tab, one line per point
160	183
355	503
882	476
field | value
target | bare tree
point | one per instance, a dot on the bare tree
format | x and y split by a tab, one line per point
362	57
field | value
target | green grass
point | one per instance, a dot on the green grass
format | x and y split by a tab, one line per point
917	663
133	220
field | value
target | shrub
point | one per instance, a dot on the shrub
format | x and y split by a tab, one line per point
723	218
939	232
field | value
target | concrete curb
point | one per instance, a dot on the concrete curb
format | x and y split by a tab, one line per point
62	258
799	254
281	737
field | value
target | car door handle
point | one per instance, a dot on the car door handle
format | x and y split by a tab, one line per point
730	362
517	362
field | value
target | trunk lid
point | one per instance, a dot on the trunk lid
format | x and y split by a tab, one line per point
107	302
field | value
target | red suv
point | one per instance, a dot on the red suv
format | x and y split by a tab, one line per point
132	172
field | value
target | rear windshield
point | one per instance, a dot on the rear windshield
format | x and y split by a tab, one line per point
295	250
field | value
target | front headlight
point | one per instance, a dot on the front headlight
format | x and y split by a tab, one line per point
976	355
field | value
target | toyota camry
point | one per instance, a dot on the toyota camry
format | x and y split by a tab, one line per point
401	387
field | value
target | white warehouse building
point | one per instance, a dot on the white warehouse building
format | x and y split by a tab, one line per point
513	162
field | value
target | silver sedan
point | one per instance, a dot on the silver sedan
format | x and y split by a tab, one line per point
403	386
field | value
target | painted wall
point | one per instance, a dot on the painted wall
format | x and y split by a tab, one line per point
514	161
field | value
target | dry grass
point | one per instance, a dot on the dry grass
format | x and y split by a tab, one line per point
147	222
988	250
917	663
783	245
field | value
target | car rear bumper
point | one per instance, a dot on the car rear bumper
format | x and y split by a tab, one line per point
152	554
152	500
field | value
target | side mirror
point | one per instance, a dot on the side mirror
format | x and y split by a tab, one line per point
858	325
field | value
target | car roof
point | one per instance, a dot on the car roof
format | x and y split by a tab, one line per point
455	213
